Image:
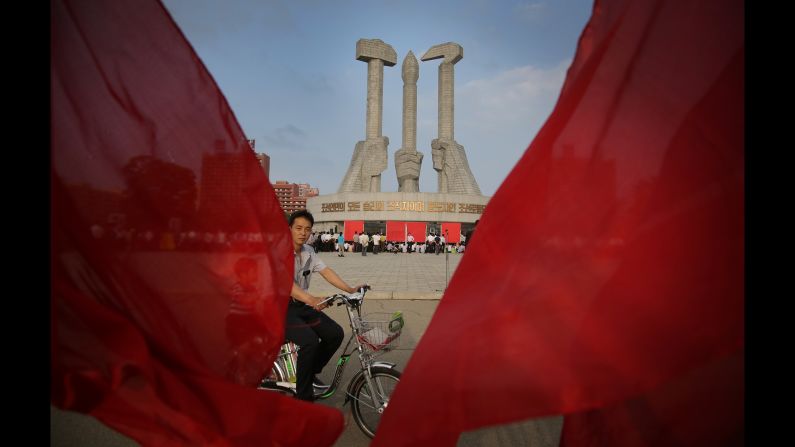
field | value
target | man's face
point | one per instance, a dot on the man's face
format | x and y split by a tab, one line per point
301	229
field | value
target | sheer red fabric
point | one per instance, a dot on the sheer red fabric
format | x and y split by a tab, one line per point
623	304
171	263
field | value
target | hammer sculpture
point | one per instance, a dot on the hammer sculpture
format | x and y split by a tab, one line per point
370	156
449	158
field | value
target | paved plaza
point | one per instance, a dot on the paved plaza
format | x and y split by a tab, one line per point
407	276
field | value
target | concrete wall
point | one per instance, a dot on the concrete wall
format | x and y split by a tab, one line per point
404	206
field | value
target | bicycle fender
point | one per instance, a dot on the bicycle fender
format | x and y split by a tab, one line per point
359	376
388	365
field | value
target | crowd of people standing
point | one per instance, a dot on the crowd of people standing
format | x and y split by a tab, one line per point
375	243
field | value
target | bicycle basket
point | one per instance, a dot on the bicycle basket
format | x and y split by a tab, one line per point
379	332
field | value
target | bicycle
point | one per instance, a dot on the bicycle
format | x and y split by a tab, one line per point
373	335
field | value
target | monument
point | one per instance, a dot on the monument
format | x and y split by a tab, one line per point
360	205
369	156
407	159
449	159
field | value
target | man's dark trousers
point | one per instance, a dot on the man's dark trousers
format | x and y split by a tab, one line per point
304	327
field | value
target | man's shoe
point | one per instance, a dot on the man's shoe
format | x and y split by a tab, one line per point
317	384
319	387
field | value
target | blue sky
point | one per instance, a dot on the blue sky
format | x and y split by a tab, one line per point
289	72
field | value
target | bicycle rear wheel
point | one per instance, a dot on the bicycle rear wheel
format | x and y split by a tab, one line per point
270	382
365	414
276	374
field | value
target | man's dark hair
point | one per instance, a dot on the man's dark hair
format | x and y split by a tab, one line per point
301	213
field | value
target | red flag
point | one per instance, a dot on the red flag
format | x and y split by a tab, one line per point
351	227
171	263
625	299
451	232
395	230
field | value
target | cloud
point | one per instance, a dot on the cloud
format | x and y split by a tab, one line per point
210	20
287	137
511	97
497	117
530	11
309	83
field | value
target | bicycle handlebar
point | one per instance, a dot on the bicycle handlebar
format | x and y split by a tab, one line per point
347	298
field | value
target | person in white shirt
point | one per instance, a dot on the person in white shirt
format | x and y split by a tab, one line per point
376	243
315	332
365	241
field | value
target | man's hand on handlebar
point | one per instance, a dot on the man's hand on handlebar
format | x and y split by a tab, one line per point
359	287
320	304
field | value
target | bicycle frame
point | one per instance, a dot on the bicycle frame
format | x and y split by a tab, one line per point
365	359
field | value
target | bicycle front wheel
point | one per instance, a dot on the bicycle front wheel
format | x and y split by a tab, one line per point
367	414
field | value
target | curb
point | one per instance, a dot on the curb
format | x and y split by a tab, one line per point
417	295
389	295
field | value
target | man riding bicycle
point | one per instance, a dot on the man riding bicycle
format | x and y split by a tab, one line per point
317	335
